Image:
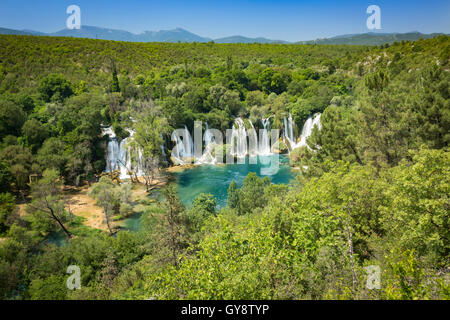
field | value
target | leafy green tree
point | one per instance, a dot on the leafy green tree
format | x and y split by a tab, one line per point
416	215
205	202
233	196
5	177
110	270
147	142
55	87
296	88
384	130
26	103
170	236
377	81
12	118
110	198
51	154
34	133
79	165
407	279
115	81
195	99
331	66
250	194
432	107
308	74
7	208
47	201
19	160
216	93
50	288
203	207
273	81
231	101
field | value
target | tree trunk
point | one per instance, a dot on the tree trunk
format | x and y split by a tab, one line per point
107	223
350	250
172	231
148	182
68	234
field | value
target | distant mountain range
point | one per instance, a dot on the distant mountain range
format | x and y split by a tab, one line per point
373	39
181	35
241	39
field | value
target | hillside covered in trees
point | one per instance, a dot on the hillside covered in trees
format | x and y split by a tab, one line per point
372	188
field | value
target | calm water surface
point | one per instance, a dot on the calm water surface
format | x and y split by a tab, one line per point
215	179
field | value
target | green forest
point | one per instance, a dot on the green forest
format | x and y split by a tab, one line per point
371	187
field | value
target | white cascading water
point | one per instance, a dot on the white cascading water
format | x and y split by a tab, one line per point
189	143
253	148
178	150
208	156
264	145
239	139
124	159
184	149
112	156
118	156
289	132
306	131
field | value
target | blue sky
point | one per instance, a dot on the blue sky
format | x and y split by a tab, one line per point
283	19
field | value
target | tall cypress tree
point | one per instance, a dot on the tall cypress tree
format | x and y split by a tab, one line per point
115	81
233	196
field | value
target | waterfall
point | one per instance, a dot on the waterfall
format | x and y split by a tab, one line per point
189	144
118	156
208	156
115	155
264	145
253	149
112	155
289	132
239	139
183	151
124	159
306	131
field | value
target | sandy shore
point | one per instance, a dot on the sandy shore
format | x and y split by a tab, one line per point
80	204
